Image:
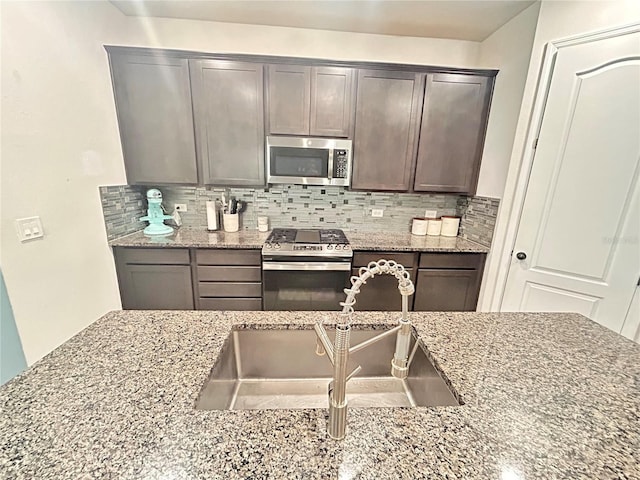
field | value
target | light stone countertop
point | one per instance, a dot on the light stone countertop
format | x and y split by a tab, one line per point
252	239
547	396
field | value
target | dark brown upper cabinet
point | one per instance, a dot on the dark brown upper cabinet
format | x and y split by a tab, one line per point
454	121
153	104
316	101
229	121
387	119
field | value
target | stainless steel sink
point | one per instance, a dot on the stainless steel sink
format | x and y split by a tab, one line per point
279	369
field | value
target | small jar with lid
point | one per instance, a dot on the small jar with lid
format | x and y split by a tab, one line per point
450	226
434	227
419	226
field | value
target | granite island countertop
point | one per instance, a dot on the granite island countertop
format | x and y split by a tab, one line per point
546	396
252	239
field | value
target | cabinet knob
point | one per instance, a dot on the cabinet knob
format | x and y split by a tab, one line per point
521	255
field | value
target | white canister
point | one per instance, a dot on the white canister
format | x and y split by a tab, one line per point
419	226
231	222
434	227
263	224
450	226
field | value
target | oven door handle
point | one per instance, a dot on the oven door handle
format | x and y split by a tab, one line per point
308	266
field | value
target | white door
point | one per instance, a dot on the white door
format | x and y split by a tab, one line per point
631	327
580	224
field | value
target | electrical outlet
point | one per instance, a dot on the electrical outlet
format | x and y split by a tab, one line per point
377	212
430	213
180	207
29	228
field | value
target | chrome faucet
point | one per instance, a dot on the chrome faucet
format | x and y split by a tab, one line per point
339	352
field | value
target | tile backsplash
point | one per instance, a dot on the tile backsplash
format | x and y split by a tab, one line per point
302	206
122	207
478	218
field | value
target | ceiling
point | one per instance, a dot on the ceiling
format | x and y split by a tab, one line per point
471	20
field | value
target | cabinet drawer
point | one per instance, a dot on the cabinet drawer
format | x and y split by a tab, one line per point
361	259
229	274
227	289
227	257
154	256
230	304
451	260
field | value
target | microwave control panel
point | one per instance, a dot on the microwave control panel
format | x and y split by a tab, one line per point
340	163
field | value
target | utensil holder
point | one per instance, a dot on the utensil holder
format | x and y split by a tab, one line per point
231	222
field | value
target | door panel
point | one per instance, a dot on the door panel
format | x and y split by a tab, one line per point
153	101
454	121
229	118
631	327
156	287
580	222
446	290
331	101
289	99
387	116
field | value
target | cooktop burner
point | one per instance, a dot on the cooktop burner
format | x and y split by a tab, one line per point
307	242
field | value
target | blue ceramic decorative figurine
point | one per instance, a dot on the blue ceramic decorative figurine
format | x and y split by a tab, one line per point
155	215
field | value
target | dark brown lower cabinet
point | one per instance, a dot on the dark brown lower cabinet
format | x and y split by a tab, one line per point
448	281
228	279
381	292
154	278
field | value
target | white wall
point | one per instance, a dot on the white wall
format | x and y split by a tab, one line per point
509	50
557	20
299	42
60	139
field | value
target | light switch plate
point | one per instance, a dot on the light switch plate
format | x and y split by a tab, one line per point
377	212
430	213
180	207
29	228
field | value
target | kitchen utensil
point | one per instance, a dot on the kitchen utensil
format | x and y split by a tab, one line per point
155	214
231	222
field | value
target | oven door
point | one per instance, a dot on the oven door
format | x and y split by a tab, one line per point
304	285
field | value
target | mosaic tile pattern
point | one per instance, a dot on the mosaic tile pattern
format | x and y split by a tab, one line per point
317	207
122	207
478	218
305	206
546	396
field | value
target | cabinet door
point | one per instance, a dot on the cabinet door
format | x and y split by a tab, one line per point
229	118
440	290
387	115
454	121
153	103
331	101
381	294
289	89
156	287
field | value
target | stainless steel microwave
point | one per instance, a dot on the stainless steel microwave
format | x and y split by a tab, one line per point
309	161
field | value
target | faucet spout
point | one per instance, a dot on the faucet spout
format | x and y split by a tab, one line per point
339	353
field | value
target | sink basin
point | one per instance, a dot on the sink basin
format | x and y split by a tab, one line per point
279	369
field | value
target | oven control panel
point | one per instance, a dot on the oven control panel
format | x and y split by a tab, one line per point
313	248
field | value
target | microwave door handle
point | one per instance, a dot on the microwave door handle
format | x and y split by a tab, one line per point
330	166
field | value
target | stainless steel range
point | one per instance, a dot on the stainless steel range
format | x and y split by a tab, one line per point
305	269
